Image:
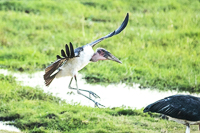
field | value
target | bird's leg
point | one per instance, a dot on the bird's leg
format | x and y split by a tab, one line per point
187	128
78	91
90	92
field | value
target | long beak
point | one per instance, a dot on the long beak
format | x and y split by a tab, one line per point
109	56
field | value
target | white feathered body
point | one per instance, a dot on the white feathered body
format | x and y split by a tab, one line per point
72	66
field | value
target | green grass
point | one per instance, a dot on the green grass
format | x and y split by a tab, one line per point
37	112
159	48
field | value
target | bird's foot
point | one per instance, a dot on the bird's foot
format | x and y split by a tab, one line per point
98	104
93	94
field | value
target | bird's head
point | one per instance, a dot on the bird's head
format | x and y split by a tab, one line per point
103	54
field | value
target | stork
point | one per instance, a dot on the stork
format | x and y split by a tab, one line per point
184	109
74	60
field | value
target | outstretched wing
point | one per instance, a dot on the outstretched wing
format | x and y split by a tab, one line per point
51	69
117	31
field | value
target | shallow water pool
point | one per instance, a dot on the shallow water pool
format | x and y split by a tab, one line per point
114	95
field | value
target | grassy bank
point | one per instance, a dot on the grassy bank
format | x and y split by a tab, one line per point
37	112
159	47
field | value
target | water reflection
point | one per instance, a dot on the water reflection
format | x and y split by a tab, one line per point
111	95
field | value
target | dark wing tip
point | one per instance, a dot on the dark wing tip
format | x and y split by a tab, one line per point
58	57
72	50
67	50
117	31
50	79
123	25
63	53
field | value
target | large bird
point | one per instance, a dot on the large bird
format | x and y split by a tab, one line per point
184	109
74	60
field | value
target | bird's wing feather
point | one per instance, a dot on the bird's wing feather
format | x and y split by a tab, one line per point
67	50
50	70
63	53
54	66
177	106
50	79
72	50
117	31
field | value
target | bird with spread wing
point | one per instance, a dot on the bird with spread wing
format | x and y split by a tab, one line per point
74	60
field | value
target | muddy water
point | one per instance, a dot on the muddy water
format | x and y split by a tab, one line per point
111	95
